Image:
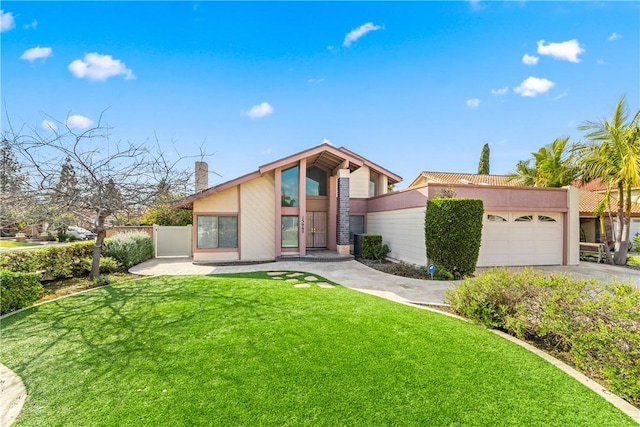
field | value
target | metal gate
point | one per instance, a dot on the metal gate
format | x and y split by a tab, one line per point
172	241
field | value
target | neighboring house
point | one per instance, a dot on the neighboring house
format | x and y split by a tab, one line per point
590	229
320	197
308	200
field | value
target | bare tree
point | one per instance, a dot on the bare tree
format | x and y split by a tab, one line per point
102	177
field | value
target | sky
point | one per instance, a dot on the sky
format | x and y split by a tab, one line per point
411	86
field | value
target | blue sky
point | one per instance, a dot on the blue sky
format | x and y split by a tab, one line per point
412	86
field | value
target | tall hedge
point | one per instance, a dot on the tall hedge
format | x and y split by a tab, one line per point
129	248
453	231
18	290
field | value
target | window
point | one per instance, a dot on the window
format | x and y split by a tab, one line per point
217	231
356	225
316	182
290	186
544	218
524	218
289	231
373	185
496	218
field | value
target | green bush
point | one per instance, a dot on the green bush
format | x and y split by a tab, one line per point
372	247
107	265
18	290
54	262
129	248
596	326
453	231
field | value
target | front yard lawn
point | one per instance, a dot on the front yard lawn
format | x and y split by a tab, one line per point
251	350
12	244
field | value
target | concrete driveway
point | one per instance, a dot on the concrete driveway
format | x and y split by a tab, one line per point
351	274
355	275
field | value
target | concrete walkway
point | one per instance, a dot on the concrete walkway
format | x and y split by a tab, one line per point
351	274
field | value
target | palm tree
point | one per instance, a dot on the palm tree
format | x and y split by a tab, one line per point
613	155
553	166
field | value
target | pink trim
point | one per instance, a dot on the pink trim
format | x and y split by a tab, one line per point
393	178
295	158
188	201
278	217
302	215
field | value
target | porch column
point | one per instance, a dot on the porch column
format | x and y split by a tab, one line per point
302	204
342	246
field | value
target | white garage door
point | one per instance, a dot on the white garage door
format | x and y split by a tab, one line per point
521	238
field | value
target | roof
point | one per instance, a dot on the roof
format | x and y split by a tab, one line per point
590	195
324	155
464	178
595	185
589	202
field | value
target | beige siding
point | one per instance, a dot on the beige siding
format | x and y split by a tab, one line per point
225	201
257	218
215	256
403	231
359	183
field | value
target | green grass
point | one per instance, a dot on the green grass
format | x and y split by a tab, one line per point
248	350
12	244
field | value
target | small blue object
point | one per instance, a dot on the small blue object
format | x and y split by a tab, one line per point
432	268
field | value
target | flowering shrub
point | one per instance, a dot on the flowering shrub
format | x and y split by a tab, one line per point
596	326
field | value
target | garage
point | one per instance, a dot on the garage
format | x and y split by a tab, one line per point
521	238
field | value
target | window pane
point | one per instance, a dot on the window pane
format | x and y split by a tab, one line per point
373	185
290	186
545	218
316	182
228	231
289	231
524	218
356	225
496	218
207	232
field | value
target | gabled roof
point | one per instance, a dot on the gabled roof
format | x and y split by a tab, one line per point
324	155
463	178
589	202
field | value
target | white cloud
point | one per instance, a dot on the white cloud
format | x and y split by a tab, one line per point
532	86
600	62
6	21
36	53
501	91
326	141
98	67
473	103
320	80
529	59
257	111
33	25
476	5
77	121
356	33
614	36
49	125
568	50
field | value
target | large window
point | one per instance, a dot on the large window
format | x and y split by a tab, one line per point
217	231
316	182
373	185
289	231
290	186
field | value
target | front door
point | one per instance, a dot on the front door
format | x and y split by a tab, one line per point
316	229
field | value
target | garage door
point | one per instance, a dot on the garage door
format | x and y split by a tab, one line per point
521	238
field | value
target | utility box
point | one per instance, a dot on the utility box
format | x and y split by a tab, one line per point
357	245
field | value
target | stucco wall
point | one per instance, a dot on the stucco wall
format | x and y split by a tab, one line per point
215	256
403	231
257	218
359	183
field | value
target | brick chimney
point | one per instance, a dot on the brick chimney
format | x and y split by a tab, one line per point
202	176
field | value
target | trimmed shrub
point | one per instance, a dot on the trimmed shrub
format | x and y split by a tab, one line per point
372	247
18	290
129	248
453	231
107	265
54	262
596	326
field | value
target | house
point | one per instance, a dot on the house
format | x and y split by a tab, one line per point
320	197
312	199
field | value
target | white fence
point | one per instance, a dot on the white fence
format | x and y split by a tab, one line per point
172	241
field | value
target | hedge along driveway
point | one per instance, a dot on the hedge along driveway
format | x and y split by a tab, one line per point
250	350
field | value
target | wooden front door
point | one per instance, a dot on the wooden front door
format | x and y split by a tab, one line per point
316	229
